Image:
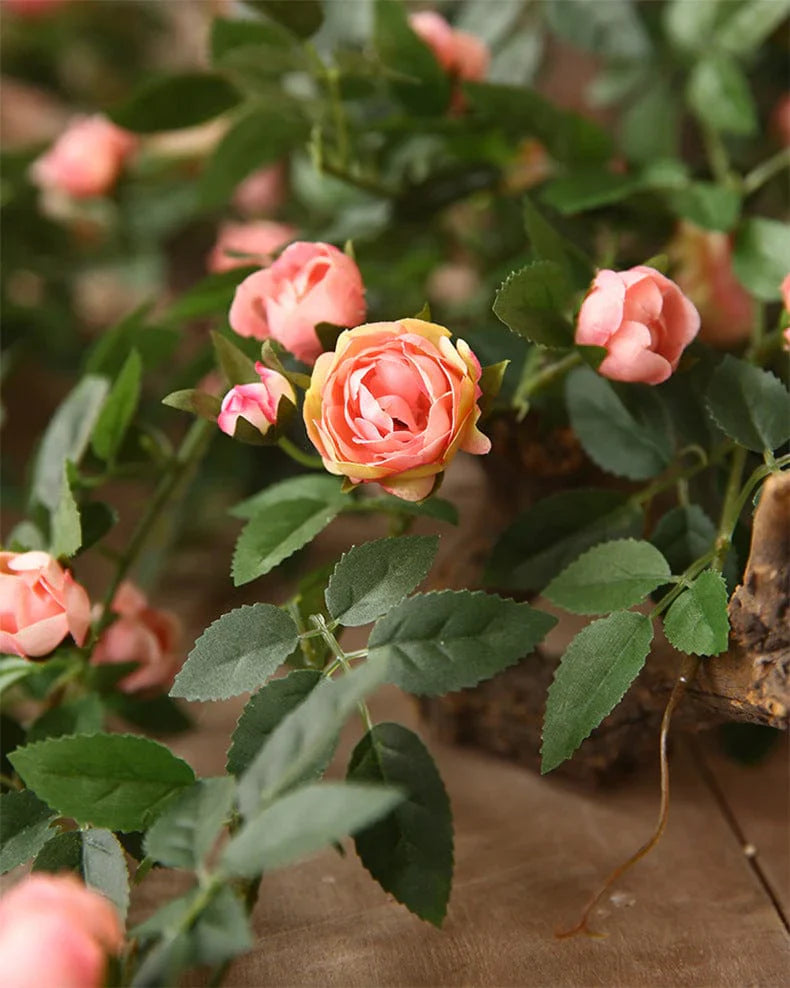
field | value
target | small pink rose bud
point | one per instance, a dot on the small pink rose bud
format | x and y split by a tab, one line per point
85	160
642	319
308	284
261	193
56	933
240	245
255	403
144	635
40	605
704	272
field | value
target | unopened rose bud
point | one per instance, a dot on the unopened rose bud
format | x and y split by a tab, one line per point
255	403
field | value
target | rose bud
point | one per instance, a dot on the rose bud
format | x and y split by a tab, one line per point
704	273
255	403
144	635
642	319
262	192
459	53
393	404
86	159
40	604
785	290
56	933
308	284
240	245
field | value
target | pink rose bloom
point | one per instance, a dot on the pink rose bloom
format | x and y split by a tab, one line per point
459	53
40	604
255	403
393	404
308	284
642	319
86	159
257	241
144	635
262	192
56	933
704	273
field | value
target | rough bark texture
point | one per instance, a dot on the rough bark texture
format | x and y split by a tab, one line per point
751	682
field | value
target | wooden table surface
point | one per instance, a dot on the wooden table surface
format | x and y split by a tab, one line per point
528	853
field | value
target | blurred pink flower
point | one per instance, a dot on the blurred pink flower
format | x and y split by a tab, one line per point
308	284
56	933
86	159
255	403
642	319
40	604
257	241
262	192
462	55
144	635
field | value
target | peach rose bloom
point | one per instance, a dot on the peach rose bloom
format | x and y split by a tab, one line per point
704	273
393	405
262	192
256	241
144	635
642	319
56	933
86	159
255	403
308	284
40	604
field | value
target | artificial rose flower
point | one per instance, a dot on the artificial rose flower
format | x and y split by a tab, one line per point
308	284
642	319
56	933
256	241
144	635
704	273
255	403
393	404
262	192
453	284
86	159
460	54
40	604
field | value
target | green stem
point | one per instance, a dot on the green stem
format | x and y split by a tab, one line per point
189	453
299	456
684	580
368	185
731	509
672	477
765	171
342	658
532	382
716	152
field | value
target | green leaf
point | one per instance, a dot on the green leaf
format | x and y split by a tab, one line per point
66	524
690	24
714	207
749	404
66	438
371	579
590	188
698	621
596	670
612	29
433	507
410	851
109	780
210	297
299	741
184	834
154	714
264	711
25	537
531	303
222	930
229	35
155	344
554	531
237	652
549	245
609	577
81	716
303	18
719	95
96	856
24	827
96	519
750	23
176	101
627	434
118	411
491	378
199	403
421	84
303	822
235	365
438	642
760	256
313	486
261	137
683	535
12	669
650	124
276	533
